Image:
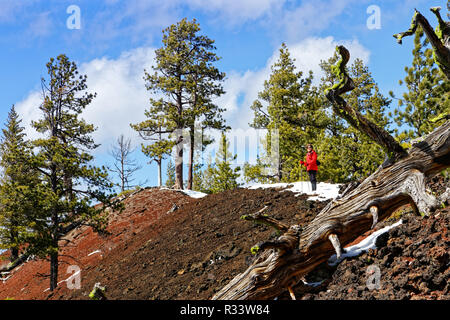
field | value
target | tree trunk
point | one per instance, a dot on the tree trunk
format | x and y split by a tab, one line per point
53	271
14	254
55	233
191	158
179	161
160	172
282	263
295	253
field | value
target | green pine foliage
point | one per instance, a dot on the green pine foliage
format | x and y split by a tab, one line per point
170	174
157	152
204	177
257	172
18	186
223	175
69	182
289	107
186	78
427	93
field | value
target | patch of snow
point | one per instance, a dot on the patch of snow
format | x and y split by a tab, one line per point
364	245
94	252
193	194
324	190
69	278
5	279
190	193
312	284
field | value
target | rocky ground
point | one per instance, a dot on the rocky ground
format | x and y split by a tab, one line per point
197	249
166	245
412	260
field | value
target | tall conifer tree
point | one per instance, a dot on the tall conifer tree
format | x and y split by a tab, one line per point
70	182
287	106
18	184
185	76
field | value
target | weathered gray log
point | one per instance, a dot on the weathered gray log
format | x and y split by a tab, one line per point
278	268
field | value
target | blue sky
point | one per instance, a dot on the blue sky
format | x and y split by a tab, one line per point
117	39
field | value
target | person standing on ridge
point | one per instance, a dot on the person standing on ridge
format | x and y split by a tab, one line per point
311	165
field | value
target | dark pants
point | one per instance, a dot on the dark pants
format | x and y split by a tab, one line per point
312	178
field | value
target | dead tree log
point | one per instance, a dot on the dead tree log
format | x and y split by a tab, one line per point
283	264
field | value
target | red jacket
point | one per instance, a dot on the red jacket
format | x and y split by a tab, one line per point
311	158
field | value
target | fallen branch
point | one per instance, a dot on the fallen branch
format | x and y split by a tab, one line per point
281	264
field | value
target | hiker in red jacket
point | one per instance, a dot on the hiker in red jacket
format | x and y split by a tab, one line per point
311	165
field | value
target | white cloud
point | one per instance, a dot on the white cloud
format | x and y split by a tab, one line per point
10	9
242	87
121	96
311	51
28	109
41	25
236	12
136	20
309	18
283	18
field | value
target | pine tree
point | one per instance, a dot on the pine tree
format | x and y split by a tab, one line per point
62	156
204	179
257	172
202	112
152	129
18	184
170	174
224	177
427	95
287	106
186	78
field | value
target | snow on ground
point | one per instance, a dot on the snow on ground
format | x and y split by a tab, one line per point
194	194
190	193
324	190
364	245
94	252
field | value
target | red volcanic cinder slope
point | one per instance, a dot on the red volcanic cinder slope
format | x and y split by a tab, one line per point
82	248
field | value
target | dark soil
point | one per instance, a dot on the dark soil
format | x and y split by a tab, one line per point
166	245
413	261
197	249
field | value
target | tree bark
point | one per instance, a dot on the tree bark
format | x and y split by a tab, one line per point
191	157
159	172
379	135
53	271
179	161
440	42
282	263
